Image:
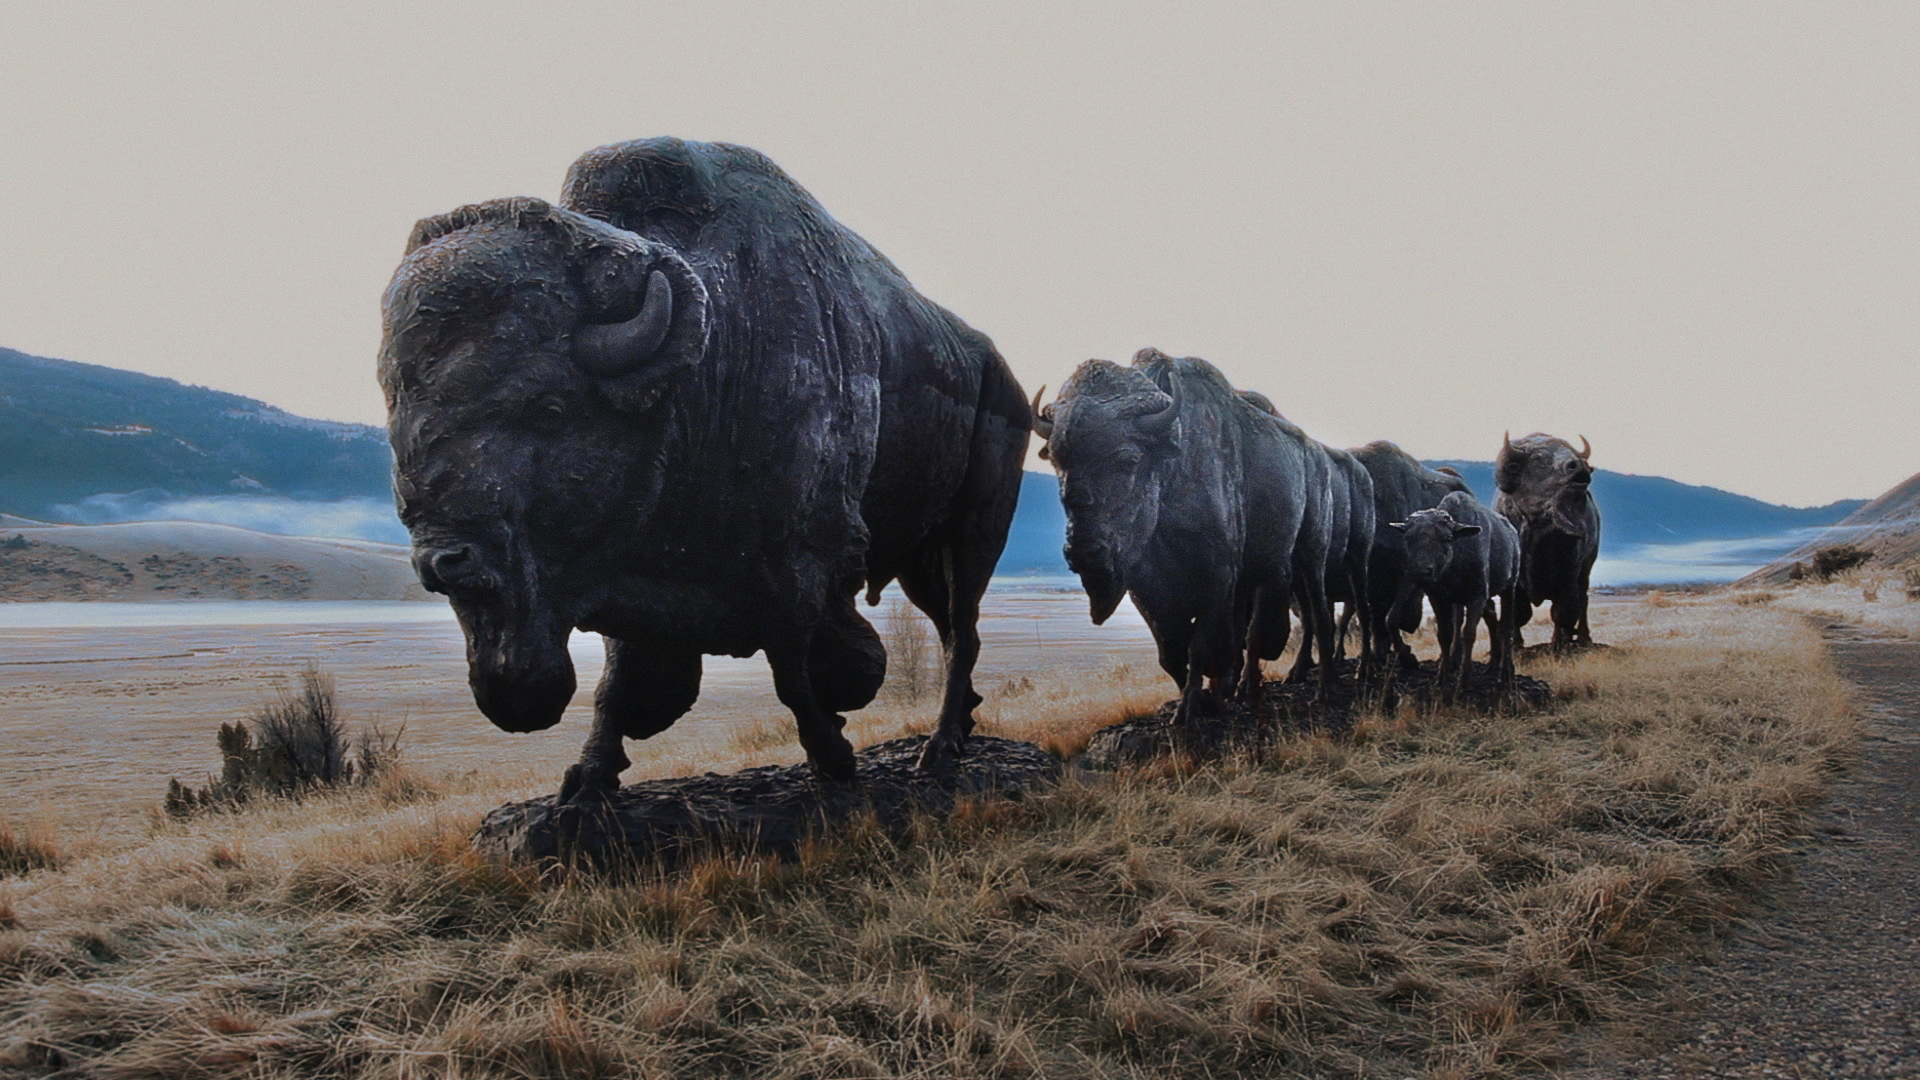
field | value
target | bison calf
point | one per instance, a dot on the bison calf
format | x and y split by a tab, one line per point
1462	556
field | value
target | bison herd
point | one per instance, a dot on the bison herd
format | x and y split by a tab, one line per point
689	410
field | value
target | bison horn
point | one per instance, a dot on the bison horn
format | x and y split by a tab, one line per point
617	348
1586	448
1160	421
1042	423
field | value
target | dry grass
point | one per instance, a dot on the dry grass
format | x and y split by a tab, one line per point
27	849
1869	597
1447	897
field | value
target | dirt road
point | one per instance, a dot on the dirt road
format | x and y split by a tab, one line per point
1827	982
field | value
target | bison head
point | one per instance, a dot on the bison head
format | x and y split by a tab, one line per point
1109	434
521	344
1430	535
1545	480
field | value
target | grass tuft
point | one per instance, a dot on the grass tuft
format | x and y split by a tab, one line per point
25	850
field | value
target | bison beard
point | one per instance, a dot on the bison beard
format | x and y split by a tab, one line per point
692	412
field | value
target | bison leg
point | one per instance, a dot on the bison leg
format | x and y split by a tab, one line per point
1507	638
1497	652
1404	609
646	686
847	662
1257	634
828	750
960	640
1172	641
1445	627
1463	643
983	511
1212	641
1302	660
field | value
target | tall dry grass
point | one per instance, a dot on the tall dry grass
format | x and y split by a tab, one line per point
1446	896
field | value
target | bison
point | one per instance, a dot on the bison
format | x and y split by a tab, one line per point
1323	561
1463	556
1350	549
690	411
1401	487
1544	490
1182	495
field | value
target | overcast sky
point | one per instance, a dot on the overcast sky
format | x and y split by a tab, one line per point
1687	231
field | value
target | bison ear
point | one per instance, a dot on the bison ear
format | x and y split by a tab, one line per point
630	355
1465	530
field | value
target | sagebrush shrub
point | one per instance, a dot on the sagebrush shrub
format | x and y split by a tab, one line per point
291	745
1830	562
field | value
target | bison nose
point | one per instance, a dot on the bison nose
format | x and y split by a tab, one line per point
443	567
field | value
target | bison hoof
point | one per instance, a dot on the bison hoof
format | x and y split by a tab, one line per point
584	784
940	756
833	763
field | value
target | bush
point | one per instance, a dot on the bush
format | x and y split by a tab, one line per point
21	852
1911	578
292	745
910	673
1830	562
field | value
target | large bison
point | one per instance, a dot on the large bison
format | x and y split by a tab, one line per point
1544	490
1329	566
1182	495
692	412
1401	487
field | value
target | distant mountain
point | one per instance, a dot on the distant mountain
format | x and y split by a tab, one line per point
74	432
1039	529
86	444
1642	510
1637	513
1889	527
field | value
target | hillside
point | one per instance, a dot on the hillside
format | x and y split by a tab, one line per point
70	432
94	445
190	560
1889	526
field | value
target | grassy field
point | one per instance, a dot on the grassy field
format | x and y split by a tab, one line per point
1445	896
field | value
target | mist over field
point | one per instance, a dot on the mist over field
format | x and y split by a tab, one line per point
358	518
1628	554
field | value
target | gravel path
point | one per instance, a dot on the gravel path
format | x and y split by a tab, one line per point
1829	983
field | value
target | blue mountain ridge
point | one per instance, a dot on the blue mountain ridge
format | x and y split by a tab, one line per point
87	442
1636	512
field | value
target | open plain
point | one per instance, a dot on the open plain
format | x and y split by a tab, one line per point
1445	895
100	704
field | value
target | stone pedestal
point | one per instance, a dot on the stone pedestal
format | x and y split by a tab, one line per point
771	809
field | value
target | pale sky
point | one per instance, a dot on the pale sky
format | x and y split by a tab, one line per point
1686	230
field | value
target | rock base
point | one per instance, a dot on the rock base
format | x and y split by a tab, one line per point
1287	709
771	809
